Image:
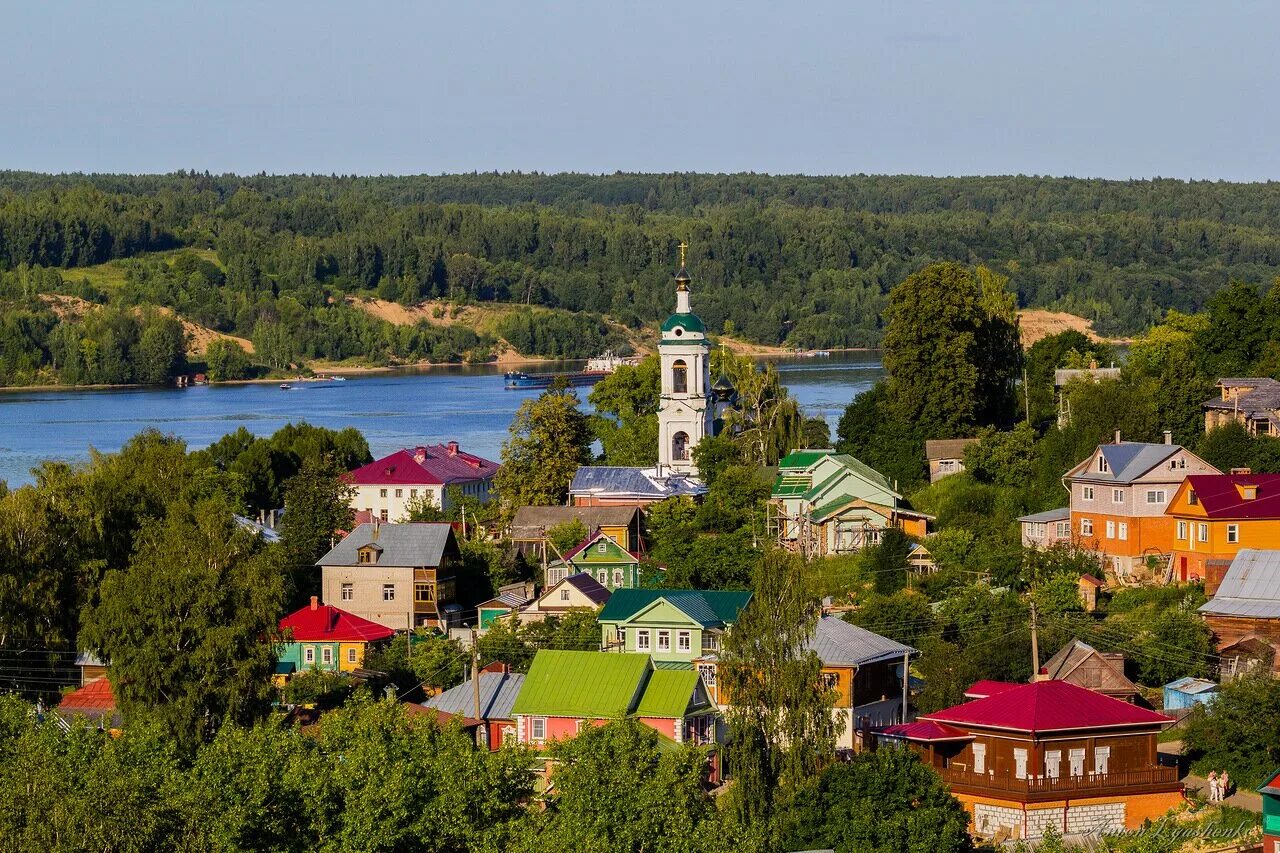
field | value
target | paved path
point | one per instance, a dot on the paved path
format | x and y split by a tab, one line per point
1171	754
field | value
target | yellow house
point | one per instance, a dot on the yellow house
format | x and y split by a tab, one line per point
1216	515
323	637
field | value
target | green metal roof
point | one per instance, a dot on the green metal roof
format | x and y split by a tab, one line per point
668	693
581	684
709	608
673	664
822	513
690	322
791	486
803	458
864	469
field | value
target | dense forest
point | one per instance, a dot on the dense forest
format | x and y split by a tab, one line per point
802	261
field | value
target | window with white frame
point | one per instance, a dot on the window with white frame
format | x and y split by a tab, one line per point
1182	530
1122	530
617	577
351	655
683	641
1019	763
642	640
564	594
581	724
1178	464
710	641
979	758
1086	493
1202	532
348	592
1233	533
1076	757
1086	527
1157	496
1064	529
326	655
538	729
1102	462
309	654
1053	763
1117	496
707	671
602	547
1111	530
664	641
1101	755
388	592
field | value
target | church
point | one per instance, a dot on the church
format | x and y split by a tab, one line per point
688	411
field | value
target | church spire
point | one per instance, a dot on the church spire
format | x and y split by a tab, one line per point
682	283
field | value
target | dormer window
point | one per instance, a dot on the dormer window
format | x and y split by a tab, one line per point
1102	463
368	555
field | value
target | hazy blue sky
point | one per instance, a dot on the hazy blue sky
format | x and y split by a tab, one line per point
1109	89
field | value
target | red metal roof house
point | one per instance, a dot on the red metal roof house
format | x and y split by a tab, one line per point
386	488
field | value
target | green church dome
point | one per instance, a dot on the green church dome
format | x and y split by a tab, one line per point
689	322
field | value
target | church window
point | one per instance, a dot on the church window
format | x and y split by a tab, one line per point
679	377
680	446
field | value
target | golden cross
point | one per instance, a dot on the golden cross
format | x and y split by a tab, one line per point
683	246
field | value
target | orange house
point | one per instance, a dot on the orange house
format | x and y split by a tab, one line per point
1214	516
1118	500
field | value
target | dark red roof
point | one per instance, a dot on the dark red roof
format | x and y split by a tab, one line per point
1048	706
924	731
986	687
326	623
1218	496
94	696
432	465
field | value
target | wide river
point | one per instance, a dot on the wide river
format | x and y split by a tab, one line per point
393	410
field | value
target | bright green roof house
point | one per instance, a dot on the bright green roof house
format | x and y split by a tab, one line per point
567	691
825	502
601	557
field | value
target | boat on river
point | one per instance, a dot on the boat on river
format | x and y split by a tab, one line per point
518	380
285	386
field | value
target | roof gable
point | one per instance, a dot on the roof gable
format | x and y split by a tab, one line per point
427	465
1131	461
1048	706
326	623
840	643
600	548
1226	496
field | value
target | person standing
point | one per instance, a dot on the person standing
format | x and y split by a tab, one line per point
1213	786
1224	786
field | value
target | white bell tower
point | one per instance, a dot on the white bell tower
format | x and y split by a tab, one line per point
685	411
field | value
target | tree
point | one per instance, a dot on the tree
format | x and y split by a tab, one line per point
815	432
550	439
1003	458
616	790
1236	732
886	801
160	350
438	661
626	419
1178	643
904	616
947	673
567	535
189	626
317	504
714	454
870	429
781	726
765	420
226	360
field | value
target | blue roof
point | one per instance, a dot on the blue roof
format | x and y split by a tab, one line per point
498	691
641	483
1129	460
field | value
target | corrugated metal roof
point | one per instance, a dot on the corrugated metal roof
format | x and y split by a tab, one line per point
801	459
640	483
1192	685
838	643
1221	496
1251	587
404	544
534	520
709	608
1046	706
946	448
498	692
1129	460
669	693
1062	513
581	684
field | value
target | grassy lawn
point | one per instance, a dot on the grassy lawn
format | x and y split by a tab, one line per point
111	275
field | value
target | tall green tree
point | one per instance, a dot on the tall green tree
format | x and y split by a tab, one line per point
317	505
550	439
626	418
188	627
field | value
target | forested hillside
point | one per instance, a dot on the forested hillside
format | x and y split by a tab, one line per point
805	261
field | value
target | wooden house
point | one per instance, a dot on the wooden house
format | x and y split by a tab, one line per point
325	638
866	671
602	557
528	530
946	456
576	592
1047	754
1246	606
1251	401
1084	666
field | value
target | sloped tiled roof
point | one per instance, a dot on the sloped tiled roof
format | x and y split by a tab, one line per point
1251	587
709	608
633	483
97	695
1220	497
1048	706
838	643
510	600
419	543
439	465
587	585
326	623
498	691
581	684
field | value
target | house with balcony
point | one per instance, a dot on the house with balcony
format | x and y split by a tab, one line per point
387	488
867	672
602	557
683	627
1215	516
825	502
1118	498
567	691
402	576
1047	754
1251	401
323	637
1244	614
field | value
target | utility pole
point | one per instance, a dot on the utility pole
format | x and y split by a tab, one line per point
1035	645
1026	396
906	679
482	731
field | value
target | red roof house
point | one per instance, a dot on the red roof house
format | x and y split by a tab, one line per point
321	636
1050	753
986	687
95	702
388	487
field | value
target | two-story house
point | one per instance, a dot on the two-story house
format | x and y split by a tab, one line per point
402	576
323	637
1216	515
825	502
1253	402
1119	495
386	488
867	672
602	557
673	626
1047	754
576	592
1244	614
567	691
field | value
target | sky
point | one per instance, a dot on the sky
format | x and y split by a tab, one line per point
1098	89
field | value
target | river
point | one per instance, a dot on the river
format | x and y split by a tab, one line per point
393	410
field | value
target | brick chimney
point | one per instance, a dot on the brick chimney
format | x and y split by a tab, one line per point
315	602
419	454
1168	436
1117	436
453	448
